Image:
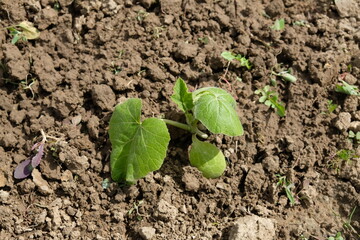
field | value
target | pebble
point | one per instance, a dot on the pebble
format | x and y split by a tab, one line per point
147	233
42	185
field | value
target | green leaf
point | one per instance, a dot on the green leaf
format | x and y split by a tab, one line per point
279	24
215	109
182	97
137	147
207	158
228	56
347	89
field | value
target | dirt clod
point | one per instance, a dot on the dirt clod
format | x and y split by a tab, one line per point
253	228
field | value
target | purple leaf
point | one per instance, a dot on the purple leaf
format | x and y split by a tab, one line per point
37	158
23	169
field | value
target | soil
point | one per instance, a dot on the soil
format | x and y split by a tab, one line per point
92	55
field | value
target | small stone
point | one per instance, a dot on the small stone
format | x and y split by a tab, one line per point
42	185
55	214
186	50
71	211
253	228
191	182
147	233
354	126
347	8
40	219
4	195
103	96
166	211
3	180
343	121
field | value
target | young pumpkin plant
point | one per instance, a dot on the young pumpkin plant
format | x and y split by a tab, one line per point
139	147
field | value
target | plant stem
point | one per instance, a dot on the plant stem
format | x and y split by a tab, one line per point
177	124
186	127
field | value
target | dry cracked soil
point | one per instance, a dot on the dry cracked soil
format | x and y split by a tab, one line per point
93	54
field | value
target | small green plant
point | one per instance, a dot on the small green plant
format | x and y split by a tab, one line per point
23	31
204	40
279	25
229	56
271	99
287	186
343	156
336	237
285	75
139	147
135	208
347	89
354	136
347	225
331	106
115	69
301	23
141	15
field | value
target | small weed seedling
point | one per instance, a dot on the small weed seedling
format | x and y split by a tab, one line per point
301	23
25	168
139	147
279	25
244	62
271	99
141	15
343	156
336	237
347	225
347	89
355	137
287	186
135	208
331	106
23	31
285	75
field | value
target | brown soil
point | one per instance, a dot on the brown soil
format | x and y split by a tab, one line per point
94	54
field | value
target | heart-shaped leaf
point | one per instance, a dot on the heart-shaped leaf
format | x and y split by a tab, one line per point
137	147
207	158
215	108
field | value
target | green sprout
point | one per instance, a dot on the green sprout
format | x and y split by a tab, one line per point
354	136
22	32
139	147
115	69
244	62
336	237
347	225
279	24
301	23
141	15
271	99
343	156
347	89
287	186
135	208
285	75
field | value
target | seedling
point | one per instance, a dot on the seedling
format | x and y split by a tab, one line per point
331	106
204	40
354	136
347	225
287	186
141	15
285	75
301	23
23	31
115	69
343	156
25	168
347	89
139	147
336	237
135	208
271	99
279	25
230	57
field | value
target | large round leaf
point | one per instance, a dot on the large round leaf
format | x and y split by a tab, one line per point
207	158
215	108
137	147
